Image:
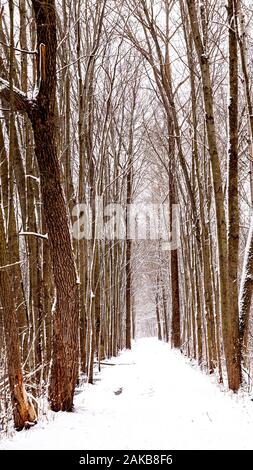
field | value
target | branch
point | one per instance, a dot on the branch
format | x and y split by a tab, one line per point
33	234
24	51
21	102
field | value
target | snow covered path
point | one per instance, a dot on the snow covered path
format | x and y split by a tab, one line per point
161	402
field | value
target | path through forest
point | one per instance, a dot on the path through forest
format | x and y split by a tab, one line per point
151	399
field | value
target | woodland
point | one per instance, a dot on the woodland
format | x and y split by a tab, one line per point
134	102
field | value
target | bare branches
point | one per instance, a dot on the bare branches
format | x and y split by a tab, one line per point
23	51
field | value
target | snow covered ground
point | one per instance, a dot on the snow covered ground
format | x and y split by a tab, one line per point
161	402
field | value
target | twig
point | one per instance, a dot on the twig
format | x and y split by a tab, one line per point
12	264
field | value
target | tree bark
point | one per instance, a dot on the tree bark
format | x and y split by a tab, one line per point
233	202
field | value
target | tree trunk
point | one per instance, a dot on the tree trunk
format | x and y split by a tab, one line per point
64	369
233	203
175	301
218	189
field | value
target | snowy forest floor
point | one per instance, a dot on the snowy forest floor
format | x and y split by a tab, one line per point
151	399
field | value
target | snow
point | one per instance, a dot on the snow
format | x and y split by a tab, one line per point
153	398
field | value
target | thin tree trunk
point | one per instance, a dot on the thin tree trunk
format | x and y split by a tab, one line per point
233	203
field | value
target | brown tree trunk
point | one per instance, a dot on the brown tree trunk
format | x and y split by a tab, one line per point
129	244
64	369
175	301
233	202
158	320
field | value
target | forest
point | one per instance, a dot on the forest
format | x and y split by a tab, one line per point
126	192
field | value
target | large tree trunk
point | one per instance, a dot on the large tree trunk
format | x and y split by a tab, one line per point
64	369
65	316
